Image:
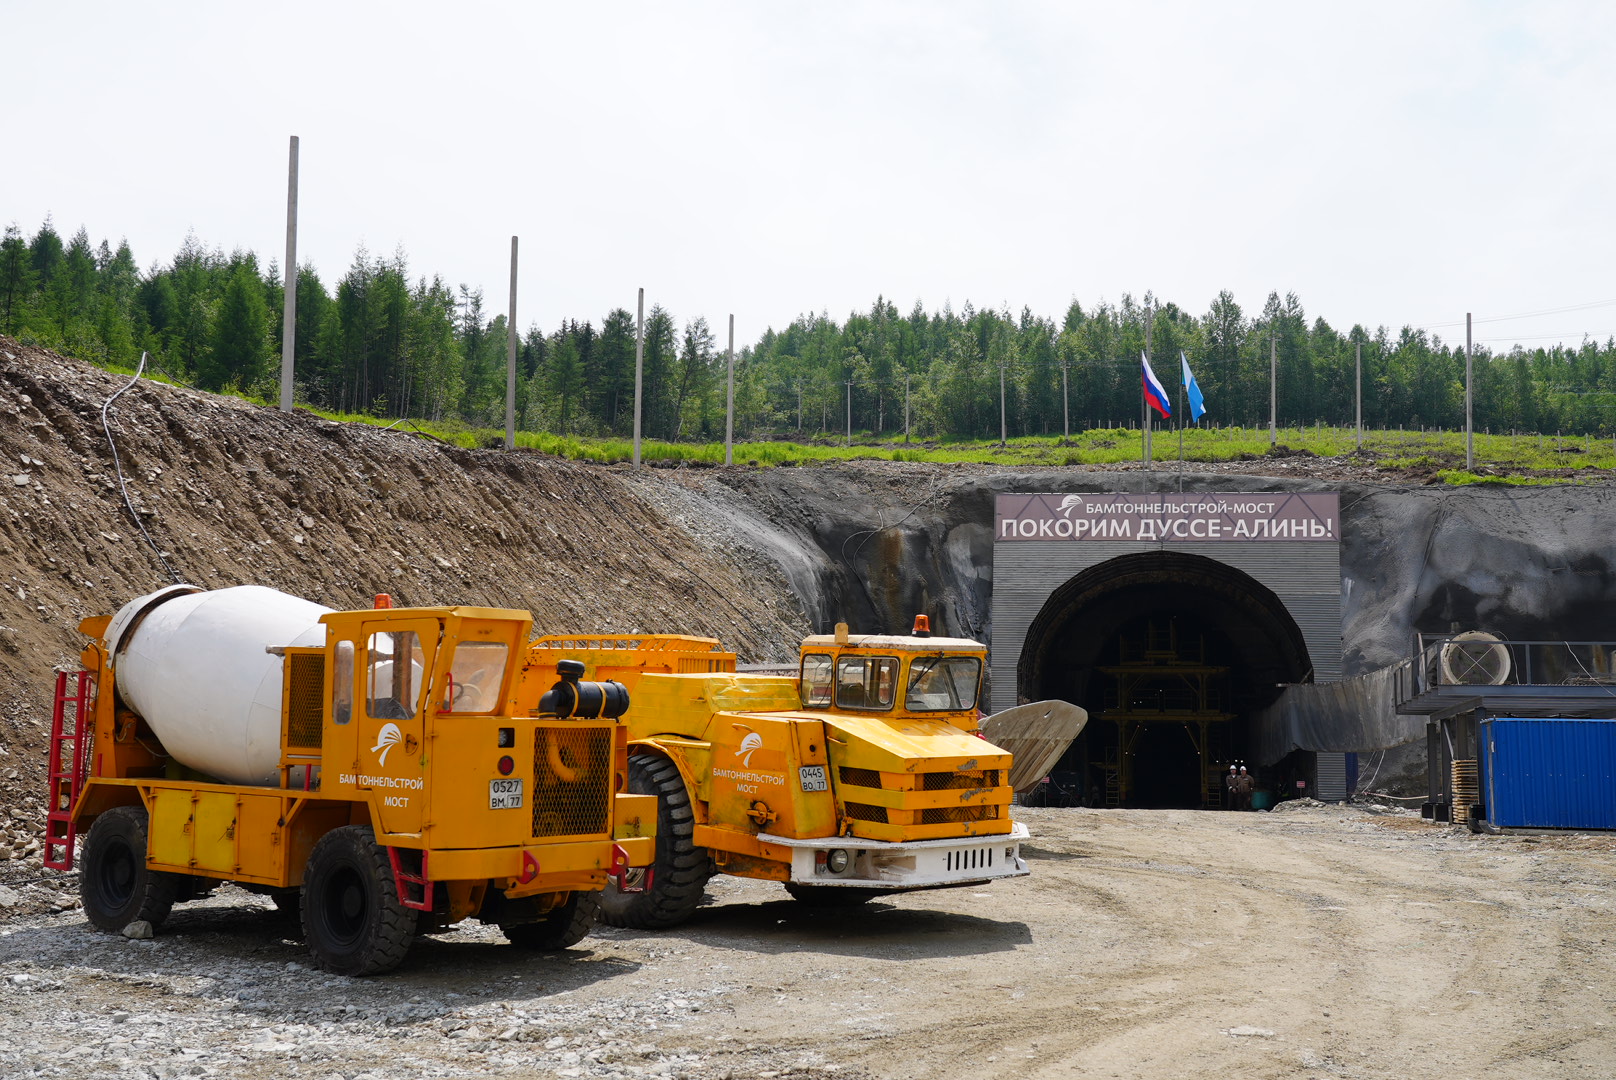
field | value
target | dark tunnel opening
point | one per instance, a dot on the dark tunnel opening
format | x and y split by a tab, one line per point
1171	654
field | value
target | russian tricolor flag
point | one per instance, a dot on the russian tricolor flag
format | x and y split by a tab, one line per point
1155	396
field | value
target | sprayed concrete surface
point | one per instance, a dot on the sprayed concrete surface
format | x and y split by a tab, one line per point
1312	942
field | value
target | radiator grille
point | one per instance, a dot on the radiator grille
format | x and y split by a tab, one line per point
941	815
865	812
860	777
305	714
572	780
944	781
973	859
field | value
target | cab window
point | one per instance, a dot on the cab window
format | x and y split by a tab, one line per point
476	673
943	683
815	680
395	675
866	682
342	682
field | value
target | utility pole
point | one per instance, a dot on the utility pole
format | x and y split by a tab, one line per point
1359	383
1273	386
799	406
1066	401
849	412
729	409
639	374
289	304
1470	432
510	360
906	410
1002	429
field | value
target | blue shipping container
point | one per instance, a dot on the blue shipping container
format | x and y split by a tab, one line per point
1548	773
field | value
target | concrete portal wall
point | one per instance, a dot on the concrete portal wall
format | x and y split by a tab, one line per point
1305	576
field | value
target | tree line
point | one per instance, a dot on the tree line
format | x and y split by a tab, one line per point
391	343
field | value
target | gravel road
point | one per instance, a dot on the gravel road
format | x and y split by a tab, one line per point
1310	942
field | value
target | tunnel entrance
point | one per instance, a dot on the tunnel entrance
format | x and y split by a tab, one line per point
1171	654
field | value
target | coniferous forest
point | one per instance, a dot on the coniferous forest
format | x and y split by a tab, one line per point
390	342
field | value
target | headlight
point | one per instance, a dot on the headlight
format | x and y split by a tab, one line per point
837	860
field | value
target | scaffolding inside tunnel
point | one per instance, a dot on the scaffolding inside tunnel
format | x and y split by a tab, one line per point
1172	654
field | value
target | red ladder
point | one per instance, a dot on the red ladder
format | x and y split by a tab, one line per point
69	762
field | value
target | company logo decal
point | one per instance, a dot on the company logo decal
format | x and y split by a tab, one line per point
749	745
386	739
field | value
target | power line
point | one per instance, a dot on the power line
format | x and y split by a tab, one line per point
1596	334
1523	314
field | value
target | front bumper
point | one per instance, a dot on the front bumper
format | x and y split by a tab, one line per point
918	864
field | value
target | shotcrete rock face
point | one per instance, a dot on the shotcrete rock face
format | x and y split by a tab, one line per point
886	542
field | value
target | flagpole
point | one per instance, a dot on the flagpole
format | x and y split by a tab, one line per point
1181	432
1148	425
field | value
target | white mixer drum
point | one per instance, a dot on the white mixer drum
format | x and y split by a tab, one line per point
194	665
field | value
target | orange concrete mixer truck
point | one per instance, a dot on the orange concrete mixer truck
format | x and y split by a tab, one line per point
369	767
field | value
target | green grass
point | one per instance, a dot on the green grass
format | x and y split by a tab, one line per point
1434	455
1524	459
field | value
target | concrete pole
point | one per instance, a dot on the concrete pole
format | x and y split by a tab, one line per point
1359	384
906	410
510	360
1273	387
1470	431
849	412
1002	429
289	305
1066	401
639	374
729	409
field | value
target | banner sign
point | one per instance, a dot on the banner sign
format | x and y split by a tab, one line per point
1267	515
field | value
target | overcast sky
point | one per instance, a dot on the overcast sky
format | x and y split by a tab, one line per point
1396	163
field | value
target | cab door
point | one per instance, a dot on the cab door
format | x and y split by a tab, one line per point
395	674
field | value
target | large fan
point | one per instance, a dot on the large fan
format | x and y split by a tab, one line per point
1475	658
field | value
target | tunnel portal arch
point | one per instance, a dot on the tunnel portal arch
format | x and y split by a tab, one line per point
1264	636
1172	618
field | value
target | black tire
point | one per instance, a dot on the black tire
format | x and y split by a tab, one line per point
681	868
353	920
115	885
831	896
561	928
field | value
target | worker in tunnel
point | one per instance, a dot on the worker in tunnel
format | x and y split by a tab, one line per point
1245	785
1231	789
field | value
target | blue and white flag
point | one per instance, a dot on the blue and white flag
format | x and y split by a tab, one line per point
1197	408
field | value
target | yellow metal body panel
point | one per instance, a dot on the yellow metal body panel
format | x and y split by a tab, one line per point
909	744
223	831
507	864
634	816
621	658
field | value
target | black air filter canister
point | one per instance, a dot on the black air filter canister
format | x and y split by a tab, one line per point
574	699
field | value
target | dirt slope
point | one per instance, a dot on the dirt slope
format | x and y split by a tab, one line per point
237	494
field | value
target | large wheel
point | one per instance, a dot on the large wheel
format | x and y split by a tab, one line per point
831	896
681	868
562	927
114	883
353	919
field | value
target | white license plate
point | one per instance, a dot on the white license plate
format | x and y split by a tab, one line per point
504	794
813	778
